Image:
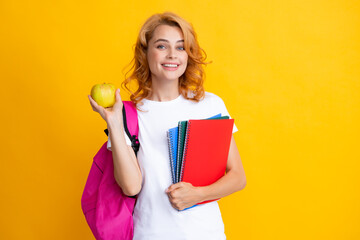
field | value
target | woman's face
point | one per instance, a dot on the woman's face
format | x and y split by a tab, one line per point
166	55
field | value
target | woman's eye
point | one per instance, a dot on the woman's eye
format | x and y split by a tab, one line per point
163	47
160	46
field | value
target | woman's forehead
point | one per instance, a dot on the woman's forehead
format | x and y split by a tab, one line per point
167	33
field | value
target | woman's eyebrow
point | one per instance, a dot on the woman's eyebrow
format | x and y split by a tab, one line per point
164	40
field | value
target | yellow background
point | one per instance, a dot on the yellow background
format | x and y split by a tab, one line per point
288	72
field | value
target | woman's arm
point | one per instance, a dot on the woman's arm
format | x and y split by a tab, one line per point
126	168
183	195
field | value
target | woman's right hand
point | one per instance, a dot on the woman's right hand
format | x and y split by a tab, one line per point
111	114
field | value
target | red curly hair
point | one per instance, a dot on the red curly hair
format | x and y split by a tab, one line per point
193	78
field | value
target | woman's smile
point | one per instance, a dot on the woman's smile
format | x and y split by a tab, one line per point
170	66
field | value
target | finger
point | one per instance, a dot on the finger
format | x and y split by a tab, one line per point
171	196
96	107
94	104
173	187
118	102
175	204
175	195
117	95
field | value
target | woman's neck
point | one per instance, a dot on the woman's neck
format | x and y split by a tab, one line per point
164	92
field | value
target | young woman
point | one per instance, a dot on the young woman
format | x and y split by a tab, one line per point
168	71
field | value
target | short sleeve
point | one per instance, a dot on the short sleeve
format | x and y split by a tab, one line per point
220	106
127	139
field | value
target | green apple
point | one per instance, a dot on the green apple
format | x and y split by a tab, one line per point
104	94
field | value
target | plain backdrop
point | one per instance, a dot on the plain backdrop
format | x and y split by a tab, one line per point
288	72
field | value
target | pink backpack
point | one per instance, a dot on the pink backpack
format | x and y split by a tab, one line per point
107	210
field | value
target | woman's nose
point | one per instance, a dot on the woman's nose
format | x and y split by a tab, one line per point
171	53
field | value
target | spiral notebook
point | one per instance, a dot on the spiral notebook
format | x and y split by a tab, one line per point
172	136
176	140
206	151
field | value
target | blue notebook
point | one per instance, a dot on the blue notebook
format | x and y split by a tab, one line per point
172	135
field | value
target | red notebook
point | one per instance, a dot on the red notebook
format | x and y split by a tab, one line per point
206	151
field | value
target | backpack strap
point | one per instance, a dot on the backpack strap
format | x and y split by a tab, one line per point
131	125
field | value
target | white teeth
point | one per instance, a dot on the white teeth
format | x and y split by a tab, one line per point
169	65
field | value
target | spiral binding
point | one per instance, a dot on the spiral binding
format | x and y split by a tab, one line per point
171	150
185	149
179	152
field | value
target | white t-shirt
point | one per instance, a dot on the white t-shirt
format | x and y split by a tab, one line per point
154	217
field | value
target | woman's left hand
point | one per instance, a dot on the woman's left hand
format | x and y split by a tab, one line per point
183	195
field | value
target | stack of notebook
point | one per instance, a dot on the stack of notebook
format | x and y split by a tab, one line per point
199	149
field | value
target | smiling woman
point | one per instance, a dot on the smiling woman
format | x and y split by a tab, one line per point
169	34
168	70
